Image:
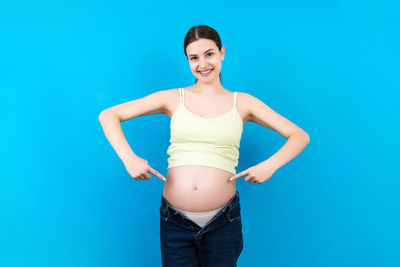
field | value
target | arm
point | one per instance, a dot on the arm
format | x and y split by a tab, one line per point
297	139
263	115
111	125
296	142
111	119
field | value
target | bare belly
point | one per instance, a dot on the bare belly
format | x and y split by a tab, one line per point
198	188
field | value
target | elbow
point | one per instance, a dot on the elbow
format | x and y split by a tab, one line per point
103	113
106	113
305	136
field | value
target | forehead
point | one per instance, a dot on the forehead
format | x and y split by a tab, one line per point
199	46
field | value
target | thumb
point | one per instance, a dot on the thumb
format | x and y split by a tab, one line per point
238	175
156	173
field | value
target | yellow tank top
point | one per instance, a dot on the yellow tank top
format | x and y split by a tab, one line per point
196	140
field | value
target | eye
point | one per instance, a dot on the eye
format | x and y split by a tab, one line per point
211	53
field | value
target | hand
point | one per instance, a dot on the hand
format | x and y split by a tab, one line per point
138	168
257	174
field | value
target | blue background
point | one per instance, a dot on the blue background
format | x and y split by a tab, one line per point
331	67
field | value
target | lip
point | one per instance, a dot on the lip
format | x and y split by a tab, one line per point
208	73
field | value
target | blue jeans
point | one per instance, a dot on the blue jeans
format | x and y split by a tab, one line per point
217	244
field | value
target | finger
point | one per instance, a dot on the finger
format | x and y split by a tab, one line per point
238	175
156	173
248	178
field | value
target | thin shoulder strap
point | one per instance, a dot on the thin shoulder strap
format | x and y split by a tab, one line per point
234	98
180	95
183	96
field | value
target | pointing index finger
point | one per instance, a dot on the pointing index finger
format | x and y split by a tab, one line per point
238	175
156	173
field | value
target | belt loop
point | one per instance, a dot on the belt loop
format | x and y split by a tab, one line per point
231	204
170	207
166	202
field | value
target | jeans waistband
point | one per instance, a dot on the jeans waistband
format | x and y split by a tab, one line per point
228	206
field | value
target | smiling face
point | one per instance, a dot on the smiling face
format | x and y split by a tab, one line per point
205	59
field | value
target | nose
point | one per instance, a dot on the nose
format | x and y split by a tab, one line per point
202	64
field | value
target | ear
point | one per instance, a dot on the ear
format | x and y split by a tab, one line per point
222	53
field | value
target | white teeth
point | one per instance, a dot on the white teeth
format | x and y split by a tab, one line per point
205	71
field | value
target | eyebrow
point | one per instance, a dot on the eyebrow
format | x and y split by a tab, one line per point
204	52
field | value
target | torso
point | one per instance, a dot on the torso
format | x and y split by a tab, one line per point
201	188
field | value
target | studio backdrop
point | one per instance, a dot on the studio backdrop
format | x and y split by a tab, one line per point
330	67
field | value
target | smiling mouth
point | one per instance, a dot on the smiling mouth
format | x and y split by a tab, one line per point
205	72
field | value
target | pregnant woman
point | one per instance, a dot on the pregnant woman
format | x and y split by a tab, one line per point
200	217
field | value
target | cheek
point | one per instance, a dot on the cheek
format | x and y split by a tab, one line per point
217	65
216	62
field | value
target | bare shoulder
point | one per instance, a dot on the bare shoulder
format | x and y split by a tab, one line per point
244	102
172	101
259	112
242	106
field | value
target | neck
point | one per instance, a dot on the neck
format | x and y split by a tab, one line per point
210	88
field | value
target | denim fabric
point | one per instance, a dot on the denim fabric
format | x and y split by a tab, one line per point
184	243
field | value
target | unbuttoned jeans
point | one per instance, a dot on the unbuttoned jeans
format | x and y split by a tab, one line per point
186	244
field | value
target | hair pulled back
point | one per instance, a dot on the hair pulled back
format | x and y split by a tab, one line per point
204	32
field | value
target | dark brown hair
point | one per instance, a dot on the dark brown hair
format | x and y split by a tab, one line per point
205	32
